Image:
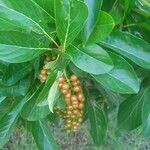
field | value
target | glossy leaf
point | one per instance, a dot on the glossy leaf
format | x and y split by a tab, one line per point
129	46
15	72
102	28
12	20
121	79
16	47
53	95
117	11
98	123
130	111
128	5
5	104
93	14
47	5
92	59
42	99
43	136
31	111
146	115
69	20
18	89
31	10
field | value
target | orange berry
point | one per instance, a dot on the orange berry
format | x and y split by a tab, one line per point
81	97
77	89
74	83
74	98
69	108
75	106
73	78
44	71
75	102
61	79
81	106
67	100
65	92
75	111
68	95
65	86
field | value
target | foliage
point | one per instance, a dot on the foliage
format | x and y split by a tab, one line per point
105	45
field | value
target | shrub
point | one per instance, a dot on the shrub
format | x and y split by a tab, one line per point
76	60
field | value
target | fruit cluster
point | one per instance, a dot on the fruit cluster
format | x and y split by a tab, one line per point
74	98
45	72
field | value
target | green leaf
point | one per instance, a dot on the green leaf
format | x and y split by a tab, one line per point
69	20
5	104
43	136
93	13
8	122
31	111
42	99
102	28
17	54
16	47
18	89
12	20
98	122
146	115
129	46
32	11
47	5
130	111
15	72
117	11
122	78
128	5
92	59
53	95
2	98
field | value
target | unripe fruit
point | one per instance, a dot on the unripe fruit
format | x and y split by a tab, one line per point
74	123
74	83
44	71
77	89
73	116
65	86
61	79
69	108
69	112
75	111
75	106
75	102
64	91
73	78
80	120
81	97
68	101
68	121
74	98
60	85
68	95
81	106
